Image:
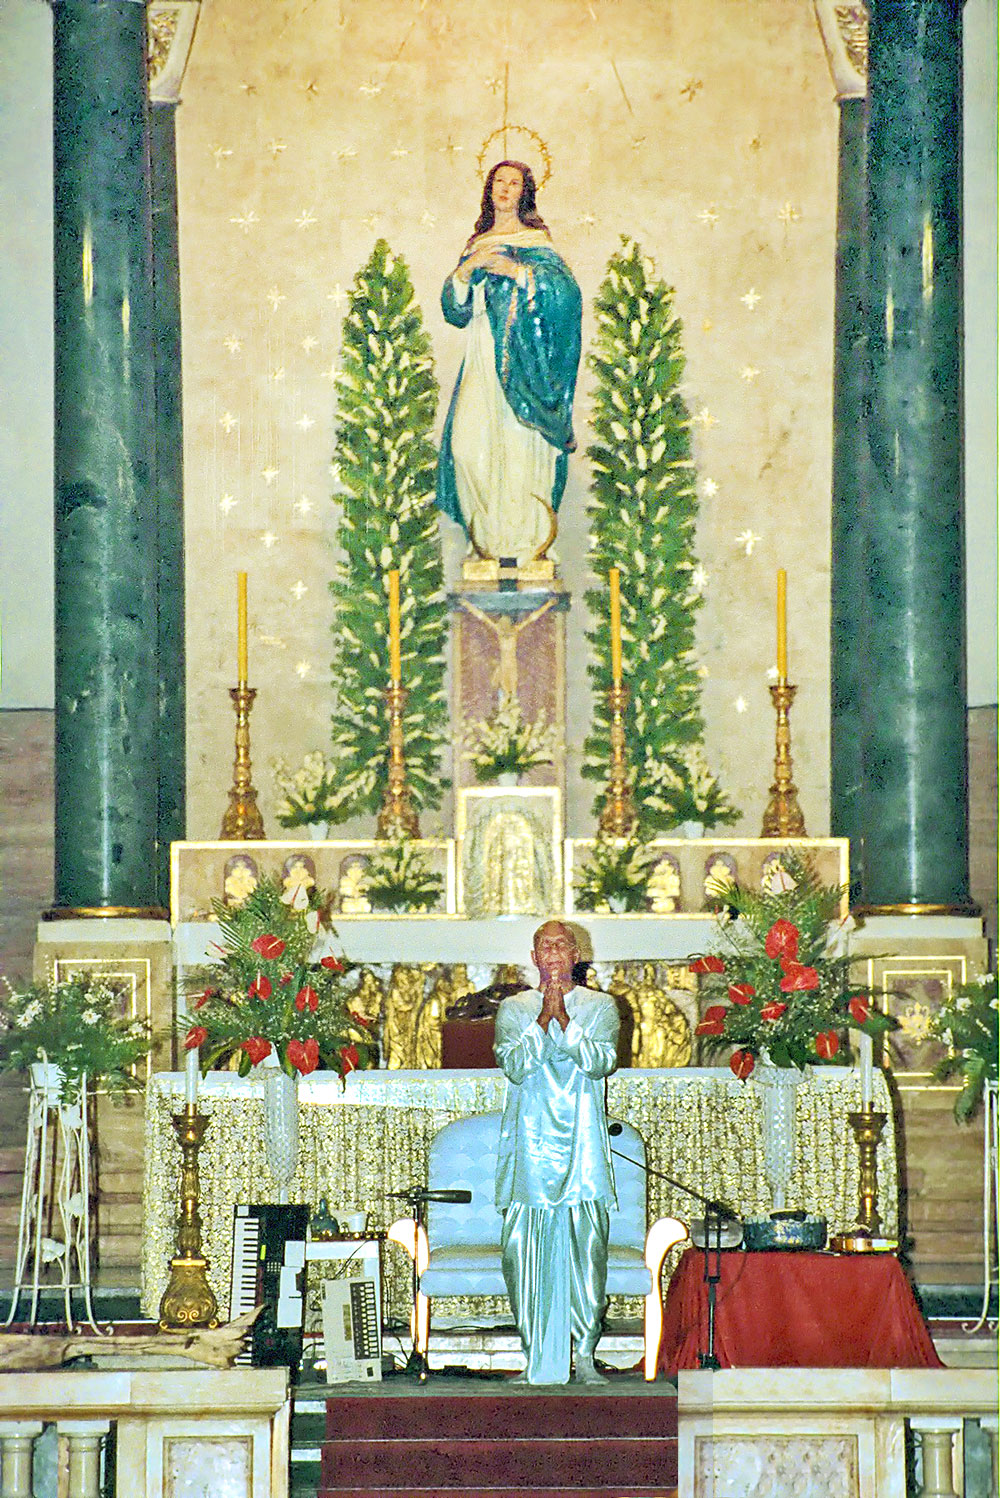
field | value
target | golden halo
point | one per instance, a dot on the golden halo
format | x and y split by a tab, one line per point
536	141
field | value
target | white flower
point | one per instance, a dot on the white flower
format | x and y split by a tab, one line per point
963	1002
29	1014
90	1017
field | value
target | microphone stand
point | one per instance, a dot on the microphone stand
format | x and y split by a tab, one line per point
417	1363
716	1213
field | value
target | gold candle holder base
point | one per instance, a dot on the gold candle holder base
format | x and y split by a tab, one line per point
242	821
866	1234
398	816
188	1300
783	817
618	814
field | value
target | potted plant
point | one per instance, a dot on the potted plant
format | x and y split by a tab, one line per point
969	1025
778	983
311	796
398	878
683	792
505	745
615	876
77	1026
266	999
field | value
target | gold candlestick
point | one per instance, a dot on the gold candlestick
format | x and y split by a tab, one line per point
866	1234
188	1300
242	821
398	817
783	817
618	814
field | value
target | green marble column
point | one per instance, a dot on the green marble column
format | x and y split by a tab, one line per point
848	604
913	705
107	712
169	438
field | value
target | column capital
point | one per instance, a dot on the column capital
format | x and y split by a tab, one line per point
171	26
844	29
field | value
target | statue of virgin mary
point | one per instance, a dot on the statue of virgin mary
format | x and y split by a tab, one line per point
502	467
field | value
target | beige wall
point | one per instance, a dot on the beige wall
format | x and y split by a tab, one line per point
306	131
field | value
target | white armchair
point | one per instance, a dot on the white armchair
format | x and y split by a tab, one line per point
459	1253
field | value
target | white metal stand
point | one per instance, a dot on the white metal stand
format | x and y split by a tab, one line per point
991	1207
69	1206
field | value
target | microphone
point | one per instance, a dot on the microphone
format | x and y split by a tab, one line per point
614	1129
424	1194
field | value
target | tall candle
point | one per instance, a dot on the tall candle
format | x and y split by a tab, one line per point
394	665
782	624
866	1070
616	627
192	1073
241	628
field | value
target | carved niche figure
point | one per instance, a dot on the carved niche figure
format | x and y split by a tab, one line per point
503	462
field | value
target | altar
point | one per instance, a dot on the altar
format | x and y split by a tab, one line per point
368	1136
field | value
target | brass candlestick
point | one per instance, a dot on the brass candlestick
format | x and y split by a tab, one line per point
398	817
783	817
242	821
618	814
188	1301
866	1234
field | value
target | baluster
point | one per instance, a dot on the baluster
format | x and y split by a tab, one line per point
83	1441
936	1437
989	1424
16	1438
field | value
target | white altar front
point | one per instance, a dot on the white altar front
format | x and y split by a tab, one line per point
368	1137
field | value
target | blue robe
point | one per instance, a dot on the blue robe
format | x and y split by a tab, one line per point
554	1181
536	340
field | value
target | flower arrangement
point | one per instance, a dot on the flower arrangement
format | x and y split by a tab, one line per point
78	1025
969	1025
681	788
312	793
505	743
399	878
780	982
616	875
266	996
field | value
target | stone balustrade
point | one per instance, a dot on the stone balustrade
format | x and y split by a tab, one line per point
176	1430
832	1432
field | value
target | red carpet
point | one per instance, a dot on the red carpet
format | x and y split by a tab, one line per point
536	1445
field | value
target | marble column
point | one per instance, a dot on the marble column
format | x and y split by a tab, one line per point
913	716
169	487
848	604
107	717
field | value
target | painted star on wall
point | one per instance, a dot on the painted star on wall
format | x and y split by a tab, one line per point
709	216
305	421
268	539
228	502
220	153
699	578
750	298
303	505
338	296
705	419
275	296
233	344
709	488
747	541
269	475
298	590
740	704
276	147
309	343
789	214
302	669
306	219
245	220
228	421
749	373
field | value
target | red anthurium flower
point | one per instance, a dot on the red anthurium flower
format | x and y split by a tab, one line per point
268	946
196	1036
285	979
798	979
333	963
260	988
203	998
741	993
773	1010
827	1044
307	998
303	1055
858	1008
359	1019
709	964
349	1059
782	940
741	1063
713	1022
257	1048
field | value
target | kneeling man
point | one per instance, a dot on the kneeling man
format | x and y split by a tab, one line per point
555	1044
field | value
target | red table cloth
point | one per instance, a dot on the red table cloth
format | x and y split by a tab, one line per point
796	1310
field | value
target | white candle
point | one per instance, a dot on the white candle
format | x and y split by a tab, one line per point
866	1070
192	1068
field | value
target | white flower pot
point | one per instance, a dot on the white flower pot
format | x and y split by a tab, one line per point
47	1078
318	831
616	904
508	778
693	829
281	1126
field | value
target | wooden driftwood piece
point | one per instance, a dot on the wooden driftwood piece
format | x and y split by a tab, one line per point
26	1351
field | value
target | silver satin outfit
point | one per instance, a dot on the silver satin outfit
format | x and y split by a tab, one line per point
554	1181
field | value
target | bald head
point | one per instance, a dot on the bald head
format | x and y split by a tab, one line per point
554	951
